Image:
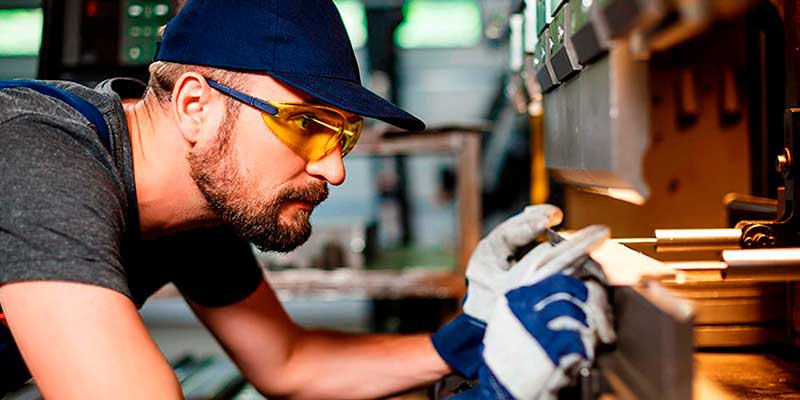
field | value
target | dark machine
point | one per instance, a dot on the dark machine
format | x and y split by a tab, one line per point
685	114
90	40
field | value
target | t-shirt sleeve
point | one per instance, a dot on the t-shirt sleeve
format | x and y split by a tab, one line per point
61	211
213	267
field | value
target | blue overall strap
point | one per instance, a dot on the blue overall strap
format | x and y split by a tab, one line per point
89	111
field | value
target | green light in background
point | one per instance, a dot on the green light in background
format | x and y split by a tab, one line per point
439	23
20	32
355	21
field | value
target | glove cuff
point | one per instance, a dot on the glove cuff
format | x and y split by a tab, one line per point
492	385
459	344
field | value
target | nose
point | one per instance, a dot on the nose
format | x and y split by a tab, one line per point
329	168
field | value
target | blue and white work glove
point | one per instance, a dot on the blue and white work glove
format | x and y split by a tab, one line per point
542	334
489	276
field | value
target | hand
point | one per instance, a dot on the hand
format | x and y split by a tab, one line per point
488	277
541	335
490	272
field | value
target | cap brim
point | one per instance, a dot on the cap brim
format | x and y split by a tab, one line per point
352	97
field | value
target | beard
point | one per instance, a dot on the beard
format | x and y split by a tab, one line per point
255	217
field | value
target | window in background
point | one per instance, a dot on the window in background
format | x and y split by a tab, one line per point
20	32
355	21
439	24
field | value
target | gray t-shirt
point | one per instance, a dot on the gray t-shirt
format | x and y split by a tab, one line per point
68	207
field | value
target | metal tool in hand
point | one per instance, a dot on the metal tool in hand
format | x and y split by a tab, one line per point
583	267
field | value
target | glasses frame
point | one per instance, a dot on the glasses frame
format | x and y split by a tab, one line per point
262	105
273	109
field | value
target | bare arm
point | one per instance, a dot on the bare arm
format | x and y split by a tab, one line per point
283	360
85	342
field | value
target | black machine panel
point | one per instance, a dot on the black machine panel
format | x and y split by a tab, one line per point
91	40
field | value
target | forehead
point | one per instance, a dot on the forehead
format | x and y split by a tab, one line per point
267	88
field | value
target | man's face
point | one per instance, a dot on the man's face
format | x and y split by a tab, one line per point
256	184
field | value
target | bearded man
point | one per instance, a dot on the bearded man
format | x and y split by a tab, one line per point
107	194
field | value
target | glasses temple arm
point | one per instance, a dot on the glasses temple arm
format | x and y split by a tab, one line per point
243	97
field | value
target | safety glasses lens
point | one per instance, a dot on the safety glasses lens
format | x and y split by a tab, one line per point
313	132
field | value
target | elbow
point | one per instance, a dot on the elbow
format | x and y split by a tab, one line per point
272	395
283	379
281	384
272	391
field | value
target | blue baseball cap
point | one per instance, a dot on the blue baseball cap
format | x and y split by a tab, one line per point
301	43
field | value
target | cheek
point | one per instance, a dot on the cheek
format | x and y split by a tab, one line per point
264	159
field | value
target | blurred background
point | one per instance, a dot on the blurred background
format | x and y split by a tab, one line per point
389	246
673	122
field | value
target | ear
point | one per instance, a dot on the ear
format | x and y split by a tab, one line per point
193	106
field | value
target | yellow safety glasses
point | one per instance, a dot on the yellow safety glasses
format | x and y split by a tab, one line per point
312	131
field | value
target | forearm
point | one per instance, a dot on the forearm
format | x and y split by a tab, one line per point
344	366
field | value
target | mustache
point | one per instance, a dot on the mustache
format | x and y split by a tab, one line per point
314	193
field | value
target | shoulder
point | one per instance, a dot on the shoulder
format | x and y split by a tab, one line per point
62	214
37	117
32	148
53	177
17	101
63	204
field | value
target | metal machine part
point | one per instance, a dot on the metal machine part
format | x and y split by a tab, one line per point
689	18
762	264
598	108
597	127
697	236
741	207
544	69
626	16
660	367
675	240
588	268
589	30
785	230
735	314
763	257
564	58
517	87
746	302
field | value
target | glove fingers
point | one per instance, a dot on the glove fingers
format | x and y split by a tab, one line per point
550	214
522	229
527	297
556	343
563	308
567	252
530	262
564	343
586	333
537	255
600	312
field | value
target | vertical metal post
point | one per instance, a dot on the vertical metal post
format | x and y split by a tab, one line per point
468	192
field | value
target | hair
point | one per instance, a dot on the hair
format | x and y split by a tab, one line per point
164	75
